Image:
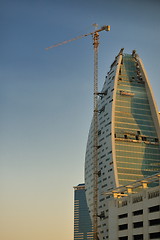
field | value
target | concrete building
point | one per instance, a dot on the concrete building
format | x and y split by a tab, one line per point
82	220
135	216
128	134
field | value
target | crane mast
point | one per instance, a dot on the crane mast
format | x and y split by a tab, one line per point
95	137
95	35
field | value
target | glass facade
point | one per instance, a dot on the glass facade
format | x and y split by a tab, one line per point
136	142
128	135
82	221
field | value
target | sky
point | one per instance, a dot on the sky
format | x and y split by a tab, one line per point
46	101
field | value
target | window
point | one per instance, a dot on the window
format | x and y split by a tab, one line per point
155	235
138	212
154	209
138	237
144	139
154	222
123	238
99	173
123	227
123	215
138	224
99	132
102	199
102	109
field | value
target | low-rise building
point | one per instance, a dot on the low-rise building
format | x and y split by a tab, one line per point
134	211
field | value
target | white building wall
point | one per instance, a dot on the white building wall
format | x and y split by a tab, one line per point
130	206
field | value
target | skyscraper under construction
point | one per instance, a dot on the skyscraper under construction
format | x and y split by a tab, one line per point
128	134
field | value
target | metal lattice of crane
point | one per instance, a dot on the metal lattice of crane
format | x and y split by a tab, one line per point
95	36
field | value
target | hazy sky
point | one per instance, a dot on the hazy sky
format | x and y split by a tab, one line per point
46	101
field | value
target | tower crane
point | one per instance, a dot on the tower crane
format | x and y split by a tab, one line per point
95	36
